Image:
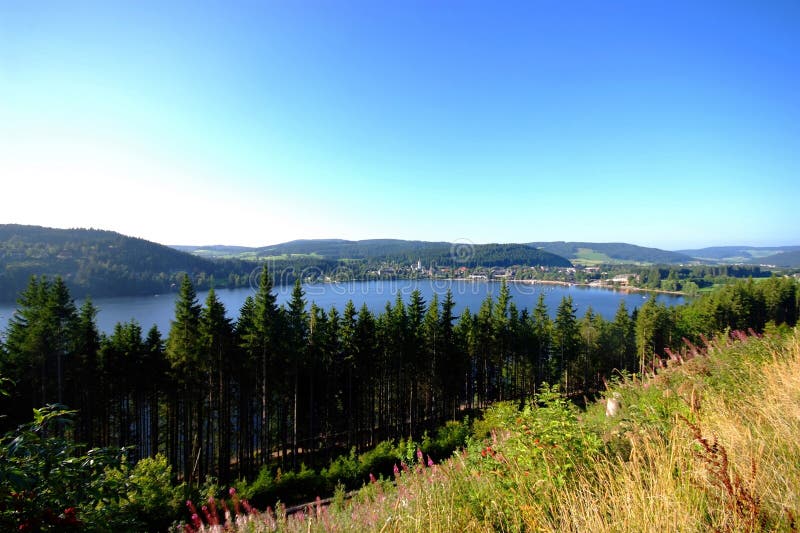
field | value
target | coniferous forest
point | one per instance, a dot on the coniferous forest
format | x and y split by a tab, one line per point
221	398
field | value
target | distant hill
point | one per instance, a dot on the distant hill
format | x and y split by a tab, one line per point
391	251
100	263
783	259
214	250
611	252
740	254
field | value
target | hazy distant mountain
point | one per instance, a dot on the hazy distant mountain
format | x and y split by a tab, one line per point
784	259
611	252
740	254
99	263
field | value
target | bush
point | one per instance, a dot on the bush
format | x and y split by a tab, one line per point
46	485
153	500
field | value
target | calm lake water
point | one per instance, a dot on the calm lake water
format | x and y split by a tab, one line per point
159	310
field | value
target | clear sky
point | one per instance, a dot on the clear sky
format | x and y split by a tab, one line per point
671	124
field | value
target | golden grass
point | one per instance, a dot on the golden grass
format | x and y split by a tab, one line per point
747	480
711	445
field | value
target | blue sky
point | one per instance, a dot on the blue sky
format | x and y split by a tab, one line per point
670	124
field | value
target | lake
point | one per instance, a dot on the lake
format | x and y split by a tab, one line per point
159	310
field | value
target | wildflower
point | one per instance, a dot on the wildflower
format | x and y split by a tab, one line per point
372	478
419	455
232	492
430	461
396	470
69	517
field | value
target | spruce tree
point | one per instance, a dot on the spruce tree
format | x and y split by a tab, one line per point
184	353
566	339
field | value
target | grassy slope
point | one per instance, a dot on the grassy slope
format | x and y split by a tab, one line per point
611	252
709	444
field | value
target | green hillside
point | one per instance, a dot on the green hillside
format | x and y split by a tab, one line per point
99	263
611	252
783	259
740	254
379	251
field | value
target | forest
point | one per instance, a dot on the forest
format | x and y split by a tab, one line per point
277	385
103	263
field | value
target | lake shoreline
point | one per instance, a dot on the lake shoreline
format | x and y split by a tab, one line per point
589	285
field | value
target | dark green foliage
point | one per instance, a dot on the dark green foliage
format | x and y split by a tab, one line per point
46	484
406	252
102	263
184	350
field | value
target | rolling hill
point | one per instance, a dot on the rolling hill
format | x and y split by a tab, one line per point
789	259
391	251
611	252
744	254
99	263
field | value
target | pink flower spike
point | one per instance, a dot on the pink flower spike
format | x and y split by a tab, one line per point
372	478
430	461
419	455
232	491
396	470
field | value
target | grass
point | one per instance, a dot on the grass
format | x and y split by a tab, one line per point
709	443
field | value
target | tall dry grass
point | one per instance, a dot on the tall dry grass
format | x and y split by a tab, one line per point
735	466
709	445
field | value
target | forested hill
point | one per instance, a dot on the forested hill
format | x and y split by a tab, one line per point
392	251
611	252
769	255
783	259
101	263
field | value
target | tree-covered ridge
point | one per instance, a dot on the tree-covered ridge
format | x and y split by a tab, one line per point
617	251
783	259
375	252
102	263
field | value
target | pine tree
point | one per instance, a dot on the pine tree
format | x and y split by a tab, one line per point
270	368
184	346
623	340
566	339
184	353
83	374
543	331
297	338
157	368
216	336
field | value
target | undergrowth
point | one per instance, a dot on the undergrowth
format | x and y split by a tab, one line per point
709	442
